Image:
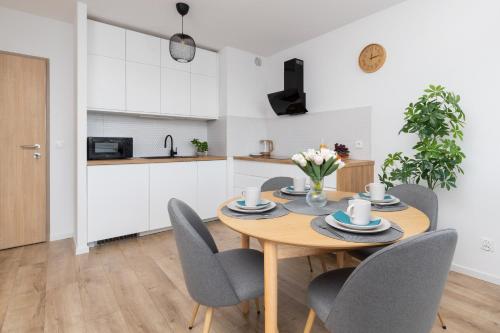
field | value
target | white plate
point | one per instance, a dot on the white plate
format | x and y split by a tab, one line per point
384	225
233	206
264	204
288	191
392	201
360	227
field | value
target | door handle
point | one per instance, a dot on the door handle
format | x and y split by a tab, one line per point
37	156
35	146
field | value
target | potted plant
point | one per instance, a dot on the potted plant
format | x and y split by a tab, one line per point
317	164
437	119
201	147
342	151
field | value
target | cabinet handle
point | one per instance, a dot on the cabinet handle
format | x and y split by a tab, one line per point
35	146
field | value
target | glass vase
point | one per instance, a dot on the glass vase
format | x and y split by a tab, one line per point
316	197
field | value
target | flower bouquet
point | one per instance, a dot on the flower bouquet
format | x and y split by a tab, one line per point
317	164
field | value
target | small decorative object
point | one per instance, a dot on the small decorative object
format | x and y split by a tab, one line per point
182	47
437	120
317	164
372	58
342	151
201	147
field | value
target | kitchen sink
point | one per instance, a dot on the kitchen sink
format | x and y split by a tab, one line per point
162	157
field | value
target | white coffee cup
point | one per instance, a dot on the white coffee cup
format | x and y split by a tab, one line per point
299	184
360	211
251	196
376	190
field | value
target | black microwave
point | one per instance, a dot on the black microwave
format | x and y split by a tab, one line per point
105	148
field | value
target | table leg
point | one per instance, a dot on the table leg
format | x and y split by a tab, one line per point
271	287
245	244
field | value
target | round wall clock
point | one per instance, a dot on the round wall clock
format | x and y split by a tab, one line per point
372	58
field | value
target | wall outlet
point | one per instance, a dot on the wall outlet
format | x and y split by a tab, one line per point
358	144
487	245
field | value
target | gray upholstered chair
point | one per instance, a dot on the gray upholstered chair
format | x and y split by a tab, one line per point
420	197
213	278
397	289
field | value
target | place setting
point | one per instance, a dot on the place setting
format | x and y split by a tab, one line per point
380	200
295	191
252	207
357	224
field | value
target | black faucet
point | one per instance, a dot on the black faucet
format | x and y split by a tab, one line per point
172	152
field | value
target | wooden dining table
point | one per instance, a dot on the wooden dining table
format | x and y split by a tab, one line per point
292	236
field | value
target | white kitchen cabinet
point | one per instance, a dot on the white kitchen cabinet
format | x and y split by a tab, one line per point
118	200
211	188
105	40
142	48
175	92
106	83
168	61
143	88
170	180
247	173
204	97
204	63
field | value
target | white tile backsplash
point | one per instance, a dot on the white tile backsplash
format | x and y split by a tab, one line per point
148	133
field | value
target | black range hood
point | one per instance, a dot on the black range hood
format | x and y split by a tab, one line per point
292	100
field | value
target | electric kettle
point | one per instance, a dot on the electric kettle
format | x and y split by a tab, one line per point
267	147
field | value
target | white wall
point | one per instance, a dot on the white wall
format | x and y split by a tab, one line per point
448	42
149	133
47	38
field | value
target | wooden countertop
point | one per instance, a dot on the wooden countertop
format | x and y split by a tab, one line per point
348	162
140	160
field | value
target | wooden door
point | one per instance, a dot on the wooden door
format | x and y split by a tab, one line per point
23	159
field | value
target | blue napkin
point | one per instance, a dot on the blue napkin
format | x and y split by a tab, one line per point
346	219
367	196
242	203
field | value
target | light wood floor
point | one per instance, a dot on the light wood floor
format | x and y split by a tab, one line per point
136	285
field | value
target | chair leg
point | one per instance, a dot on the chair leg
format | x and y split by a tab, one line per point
257	305
443	325
310	321
193	318
208	320
323	264
310	264
340	258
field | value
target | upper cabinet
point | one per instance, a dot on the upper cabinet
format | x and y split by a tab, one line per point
105	40
144	49
204	62
131	72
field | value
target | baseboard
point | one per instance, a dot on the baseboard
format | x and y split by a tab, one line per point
81	250
57	237
475	273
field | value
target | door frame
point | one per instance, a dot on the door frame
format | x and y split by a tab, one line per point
47	136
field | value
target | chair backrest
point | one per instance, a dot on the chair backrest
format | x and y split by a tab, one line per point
206	280
276	183
397	289
420	197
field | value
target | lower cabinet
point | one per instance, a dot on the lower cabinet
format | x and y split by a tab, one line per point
133	198
118	200
170	180
211	189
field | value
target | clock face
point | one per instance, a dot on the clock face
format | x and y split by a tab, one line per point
372	58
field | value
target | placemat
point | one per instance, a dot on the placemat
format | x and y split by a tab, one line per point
390	235
278	211
392	208
279	194
300	206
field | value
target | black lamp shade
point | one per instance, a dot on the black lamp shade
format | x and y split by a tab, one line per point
182	47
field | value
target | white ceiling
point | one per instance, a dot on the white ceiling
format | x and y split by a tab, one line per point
259	26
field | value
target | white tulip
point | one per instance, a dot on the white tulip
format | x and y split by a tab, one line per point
303	162
296	157
318	159
310	154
